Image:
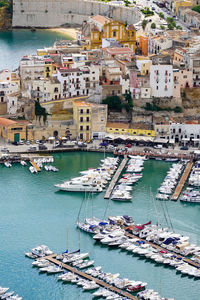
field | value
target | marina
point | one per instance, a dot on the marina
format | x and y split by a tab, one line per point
56	213
182	181
115	178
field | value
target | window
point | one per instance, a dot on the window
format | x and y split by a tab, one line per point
114	33
113	93
185	76
165	87
118	91
81	136
166	73
102	118
87	127
87	111
81	128
88	119
157	87
179	130
13	102
81	111
81	119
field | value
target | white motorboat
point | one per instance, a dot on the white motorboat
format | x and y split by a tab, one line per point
23	163
72	186
85	264
3	290
7	164
91	285
54	269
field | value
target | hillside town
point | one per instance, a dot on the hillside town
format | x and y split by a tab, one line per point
137	81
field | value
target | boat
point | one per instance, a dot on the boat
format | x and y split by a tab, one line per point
23	163
7	164
3	290
71	186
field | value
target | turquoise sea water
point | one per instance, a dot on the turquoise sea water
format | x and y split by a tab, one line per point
17	43
33	212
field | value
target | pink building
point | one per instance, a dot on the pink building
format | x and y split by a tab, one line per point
135	84
182	79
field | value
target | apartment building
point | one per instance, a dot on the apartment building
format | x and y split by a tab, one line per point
161	80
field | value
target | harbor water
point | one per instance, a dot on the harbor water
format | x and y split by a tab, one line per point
33	212
17	43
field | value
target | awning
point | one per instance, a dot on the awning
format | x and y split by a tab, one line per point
185	139
64	138
195	140
161	141
51	138
171	141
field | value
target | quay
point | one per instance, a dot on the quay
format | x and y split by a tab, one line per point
35	165
182	181
52	259
187	260
115	178
155	154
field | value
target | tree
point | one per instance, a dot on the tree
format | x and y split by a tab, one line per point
179	27
153	26
113	102
161	15
162	27
40	111
144	23
170	26
196	8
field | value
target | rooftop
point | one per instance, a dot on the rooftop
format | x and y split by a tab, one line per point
101	19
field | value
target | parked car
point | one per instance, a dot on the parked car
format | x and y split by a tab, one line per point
184	148
27	143
37	141
5	150
21	142
128	146
81	144
158	146
42	147
32	148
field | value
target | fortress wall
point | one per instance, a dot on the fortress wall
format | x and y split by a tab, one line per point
54	13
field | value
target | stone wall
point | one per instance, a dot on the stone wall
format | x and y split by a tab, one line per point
55	13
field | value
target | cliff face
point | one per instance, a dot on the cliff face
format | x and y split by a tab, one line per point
5	19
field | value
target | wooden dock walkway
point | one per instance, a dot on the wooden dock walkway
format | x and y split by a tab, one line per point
182	181
35	165
187	260
52	259
115	178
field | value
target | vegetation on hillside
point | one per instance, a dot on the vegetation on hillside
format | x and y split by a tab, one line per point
196	8
155	107
115	103
40	112
147	12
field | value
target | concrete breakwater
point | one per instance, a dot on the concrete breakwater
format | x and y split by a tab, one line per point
55	13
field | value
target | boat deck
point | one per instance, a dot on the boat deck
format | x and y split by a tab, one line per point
52	259
182	181
187	260
115	178
35	165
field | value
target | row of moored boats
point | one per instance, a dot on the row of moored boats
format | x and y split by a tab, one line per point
8	295
170	182
150	241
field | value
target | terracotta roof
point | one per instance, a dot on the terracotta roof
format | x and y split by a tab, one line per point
117	50
101	19
81	103
7	122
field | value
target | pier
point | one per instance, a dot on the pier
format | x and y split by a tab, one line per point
35	165
187	260
182	181
52	259
115	178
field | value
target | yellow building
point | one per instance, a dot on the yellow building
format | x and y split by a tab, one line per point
13	131
82	118
144	64
101	27
126	129
182	3
48	68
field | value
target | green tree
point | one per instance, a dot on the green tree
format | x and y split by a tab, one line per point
161	15
153	26
196	8
40	112
144	23
179	27
177	109
113	102
162	27
170	26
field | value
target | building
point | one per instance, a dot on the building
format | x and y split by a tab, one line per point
189	17
13	131
143	64
143	44
98	121
129	129
161	81
192	59
100	27
44	90
82	112
186	134
158	43
182	79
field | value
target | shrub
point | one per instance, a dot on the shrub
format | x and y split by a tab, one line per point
196	8
153	26
161	15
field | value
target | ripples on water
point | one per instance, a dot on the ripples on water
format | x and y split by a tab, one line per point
32	213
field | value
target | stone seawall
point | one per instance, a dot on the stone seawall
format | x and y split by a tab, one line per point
55	13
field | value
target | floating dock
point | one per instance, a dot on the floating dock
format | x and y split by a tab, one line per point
187	260
35	165
52	259
182	181
115	178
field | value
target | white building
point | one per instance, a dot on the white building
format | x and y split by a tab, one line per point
44	90
187	134
161	80
158	43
